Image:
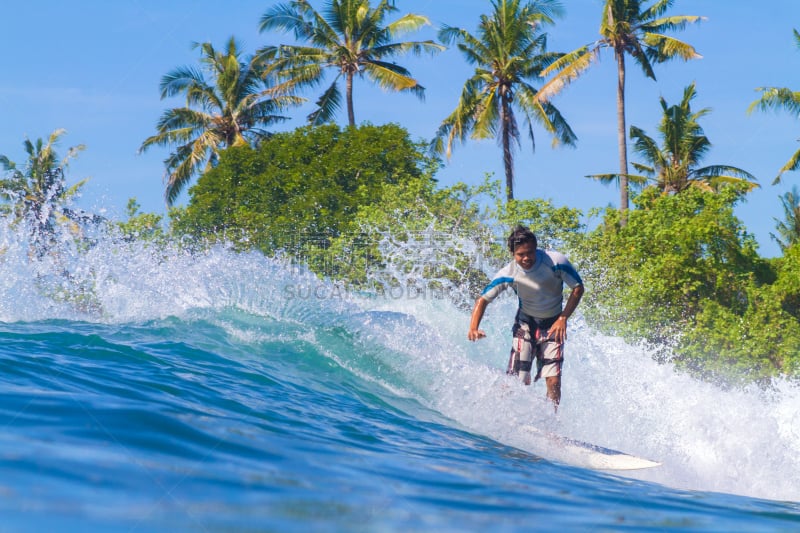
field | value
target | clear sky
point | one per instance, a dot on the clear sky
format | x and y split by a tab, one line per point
93	68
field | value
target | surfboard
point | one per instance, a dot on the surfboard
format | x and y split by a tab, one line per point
579	453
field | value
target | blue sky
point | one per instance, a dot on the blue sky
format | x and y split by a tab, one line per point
93	68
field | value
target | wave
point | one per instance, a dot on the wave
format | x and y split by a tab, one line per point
410	350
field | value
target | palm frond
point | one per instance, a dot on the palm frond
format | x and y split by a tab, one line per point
179	79
647	147
184	118
459	123
717	182
407	23
327	106
667	48
389	76
673	23
475	51
722	170
792	164
777	98
286	17
185	163
486	114
643	56
415	47
604	178
654	11
568	68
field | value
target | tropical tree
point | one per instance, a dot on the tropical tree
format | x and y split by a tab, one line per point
789	227
352	40
781	98
303	185
37	193
509	51
628	27
231	108
673	166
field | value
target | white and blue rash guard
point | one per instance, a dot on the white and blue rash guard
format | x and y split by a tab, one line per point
540	289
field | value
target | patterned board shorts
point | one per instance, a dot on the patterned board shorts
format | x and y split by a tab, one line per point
530	342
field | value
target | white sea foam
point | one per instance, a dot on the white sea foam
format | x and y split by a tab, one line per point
743	441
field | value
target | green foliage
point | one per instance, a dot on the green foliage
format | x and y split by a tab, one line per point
788	228
555	227
762	341
303	186
683	276
145	226
675	255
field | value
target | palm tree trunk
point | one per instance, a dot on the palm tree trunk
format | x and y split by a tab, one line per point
623	147
351	117
508	158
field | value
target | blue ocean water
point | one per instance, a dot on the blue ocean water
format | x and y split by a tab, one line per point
231	392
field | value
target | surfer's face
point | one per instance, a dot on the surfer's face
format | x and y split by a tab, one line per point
525	255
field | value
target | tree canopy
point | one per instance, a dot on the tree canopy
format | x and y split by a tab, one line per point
303	185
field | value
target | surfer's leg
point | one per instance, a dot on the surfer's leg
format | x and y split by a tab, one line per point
554	390
549	362
521	359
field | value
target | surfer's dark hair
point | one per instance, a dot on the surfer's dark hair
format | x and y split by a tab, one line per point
521	235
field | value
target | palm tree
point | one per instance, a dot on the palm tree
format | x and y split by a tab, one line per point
230	109
37	194
789	227
627	27
352	40
508	52
673	167
781	98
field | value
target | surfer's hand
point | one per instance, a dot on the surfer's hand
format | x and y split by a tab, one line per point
475	334
558	331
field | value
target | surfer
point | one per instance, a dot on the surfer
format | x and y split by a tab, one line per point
540	327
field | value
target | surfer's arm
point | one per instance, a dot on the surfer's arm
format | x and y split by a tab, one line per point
477	315
573	301
559	328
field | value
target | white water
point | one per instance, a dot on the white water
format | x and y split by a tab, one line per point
744	442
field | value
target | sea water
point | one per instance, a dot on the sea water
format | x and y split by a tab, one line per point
224	391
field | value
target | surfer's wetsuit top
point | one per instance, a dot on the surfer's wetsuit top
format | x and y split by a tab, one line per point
541	292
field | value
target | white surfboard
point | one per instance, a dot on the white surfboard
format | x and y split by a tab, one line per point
588	455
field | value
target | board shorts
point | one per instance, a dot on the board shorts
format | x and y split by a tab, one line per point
531	342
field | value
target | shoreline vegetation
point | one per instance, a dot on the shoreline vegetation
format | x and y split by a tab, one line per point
360	204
